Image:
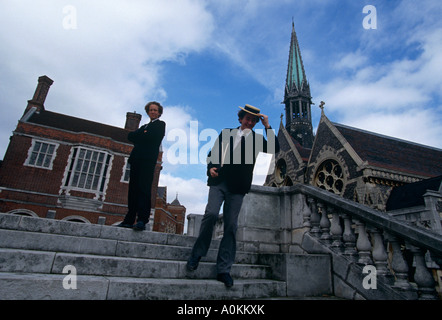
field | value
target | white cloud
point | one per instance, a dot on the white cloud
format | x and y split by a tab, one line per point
192	193
351	60
398	97
107	66
177	117
356	99
418	126
184	142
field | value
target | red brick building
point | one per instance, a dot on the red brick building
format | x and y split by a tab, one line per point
62	167
169	217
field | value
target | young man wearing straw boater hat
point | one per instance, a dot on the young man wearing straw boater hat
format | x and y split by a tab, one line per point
230	166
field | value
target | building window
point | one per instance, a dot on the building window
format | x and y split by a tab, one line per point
304	109
126	172
88	169
330	177
41	154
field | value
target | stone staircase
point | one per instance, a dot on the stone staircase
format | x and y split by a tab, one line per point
53	259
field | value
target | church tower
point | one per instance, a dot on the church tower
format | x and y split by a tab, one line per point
297	98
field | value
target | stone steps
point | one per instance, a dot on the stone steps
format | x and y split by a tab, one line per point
109	247
31	261
116	263
25	286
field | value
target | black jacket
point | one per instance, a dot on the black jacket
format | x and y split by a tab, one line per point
147	140
235	166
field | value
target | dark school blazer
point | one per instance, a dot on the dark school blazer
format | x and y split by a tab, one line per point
147	140
235	166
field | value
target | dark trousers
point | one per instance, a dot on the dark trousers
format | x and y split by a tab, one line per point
227	248
140	189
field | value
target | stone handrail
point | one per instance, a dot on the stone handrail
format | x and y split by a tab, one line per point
303	219
331	219
427	215
415	235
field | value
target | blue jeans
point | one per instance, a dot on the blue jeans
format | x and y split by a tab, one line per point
227	248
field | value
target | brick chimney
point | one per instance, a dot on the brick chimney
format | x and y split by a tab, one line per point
41	92
132	121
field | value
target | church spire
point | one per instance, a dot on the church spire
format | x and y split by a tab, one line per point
297	98
296	80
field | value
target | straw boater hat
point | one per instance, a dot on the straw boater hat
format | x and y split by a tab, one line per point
252	110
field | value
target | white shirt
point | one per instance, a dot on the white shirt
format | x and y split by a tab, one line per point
239	134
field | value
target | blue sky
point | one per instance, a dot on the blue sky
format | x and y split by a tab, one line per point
203	59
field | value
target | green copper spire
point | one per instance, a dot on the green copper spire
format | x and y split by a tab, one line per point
297	98
296	80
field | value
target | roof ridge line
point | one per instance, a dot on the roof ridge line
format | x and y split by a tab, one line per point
385	136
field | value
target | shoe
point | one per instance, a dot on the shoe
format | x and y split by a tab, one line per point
192	263
225	278
124	225
139	226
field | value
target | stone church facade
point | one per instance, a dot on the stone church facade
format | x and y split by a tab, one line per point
356	164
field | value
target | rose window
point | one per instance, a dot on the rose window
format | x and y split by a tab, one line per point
330	177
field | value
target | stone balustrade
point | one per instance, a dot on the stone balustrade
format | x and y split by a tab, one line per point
427	215
371	237
303	219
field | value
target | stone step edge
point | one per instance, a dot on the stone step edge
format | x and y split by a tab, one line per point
20	286
69	228
46	262
108	247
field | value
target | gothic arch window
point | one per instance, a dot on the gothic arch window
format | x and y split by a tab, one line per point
330	177
281	171
281	176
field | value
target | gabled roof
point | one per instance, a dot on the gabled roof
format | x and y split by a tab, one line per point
303	152
393	154
73	124
176	202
